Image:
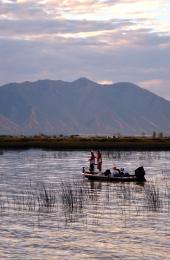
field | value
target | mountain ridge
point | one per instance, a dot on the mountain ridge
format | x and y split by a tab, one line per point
81	107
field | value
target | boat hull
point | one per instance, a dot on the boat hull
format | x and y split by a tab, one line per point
97	177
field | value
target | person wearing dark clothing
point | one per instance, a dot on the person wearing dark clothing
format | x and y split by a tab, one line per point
92	162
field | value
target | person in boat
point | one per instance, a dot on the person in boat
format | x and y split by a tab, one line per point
115	172
92	162
122	171
99	161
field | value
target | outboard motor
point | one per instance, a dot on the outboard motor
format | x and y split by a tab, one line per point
83	170
140	174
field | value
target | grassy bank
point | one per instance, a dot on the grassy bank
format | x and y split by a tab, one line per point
79	143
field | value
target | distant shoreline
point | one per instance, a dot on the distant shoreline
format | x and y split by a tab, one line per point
85	143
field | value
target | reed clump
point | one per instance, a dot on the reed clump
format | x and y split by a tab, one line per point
72	195
34	198
152	196
46	197
76	197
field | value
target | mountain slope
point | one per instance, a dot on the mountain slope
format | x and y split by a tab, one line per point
81	107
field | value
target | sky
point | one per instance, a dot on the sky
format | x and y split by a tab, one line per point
107	41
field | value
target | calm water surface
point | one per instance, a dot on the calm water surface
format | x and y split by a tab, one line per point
85	220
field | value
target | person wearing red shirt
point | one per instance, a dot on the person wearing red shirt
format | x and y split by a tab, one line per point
99	161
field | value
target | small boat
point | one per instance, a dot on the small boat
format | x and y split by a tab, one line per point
139	176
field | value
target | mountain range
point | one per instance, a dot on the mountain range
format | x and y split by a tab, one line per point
81	107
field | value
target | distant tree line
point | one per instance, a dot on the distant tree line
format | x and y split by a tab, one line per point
157	135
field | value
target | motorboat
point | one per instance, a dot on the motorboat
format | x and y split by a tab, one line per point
139	175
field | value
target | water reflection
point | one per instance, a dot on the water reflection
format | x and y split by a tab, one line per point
43	199
76	199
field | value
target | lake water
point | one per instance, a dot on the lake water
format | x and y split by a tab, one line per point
48	211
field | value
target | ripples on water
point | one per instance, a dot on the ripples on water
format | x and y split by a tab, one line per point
48	211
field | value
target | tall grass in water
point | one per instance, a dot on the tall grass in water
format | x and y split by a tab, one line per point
73	199
67	196
72	195
126	192
152	196
75	195
38	198
46	197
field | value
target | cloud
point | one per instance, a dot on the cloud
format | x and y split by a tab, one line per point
105	82
48	27
112	60
106	41
160	87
